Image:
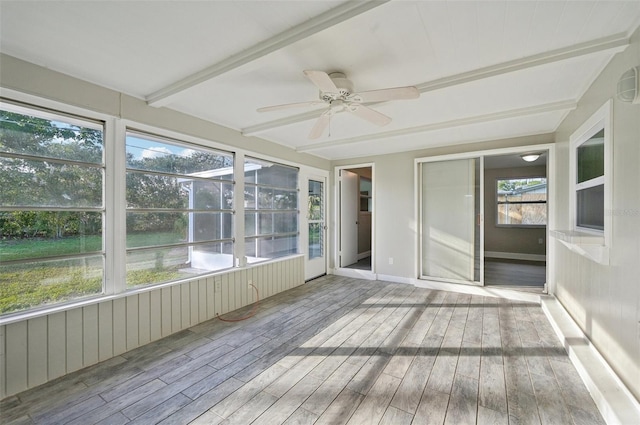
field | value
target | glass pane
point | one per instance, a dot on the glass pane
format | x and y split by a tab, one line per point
522	214
270	174
149	154
150	266
316	245
522	190
590	208
162	228
211	257
59	138
38	234
285	199
285	222
265	198
590	158
315	209
450	204
270	223
41	283
150	229
250	223
157	191
44	184
156	265
270	247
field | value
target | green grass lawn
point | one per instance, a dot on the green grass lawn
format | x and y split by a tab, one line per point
28	285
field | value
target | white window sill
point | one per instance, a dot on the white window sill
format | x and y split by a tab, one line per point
586	244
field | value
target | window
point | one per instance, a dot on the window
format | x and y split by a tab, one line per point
590	170
51	208
271	210
521	202
590	182
179	210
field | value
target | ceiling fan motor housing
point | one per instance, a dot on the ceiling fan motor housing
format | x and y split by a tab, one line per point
344	85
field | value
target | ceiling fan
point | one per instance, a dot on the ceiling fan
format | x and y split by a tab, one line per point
336	92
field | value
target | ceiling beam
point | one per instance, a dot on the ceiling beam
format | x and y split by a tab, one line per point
306	29
566	105
614	42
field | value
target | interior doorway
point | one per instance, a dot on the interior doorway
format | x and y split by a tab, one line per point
356	218
515	225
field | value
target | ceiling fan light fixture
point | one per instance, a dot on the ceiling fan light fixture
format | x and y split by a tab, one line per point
530	157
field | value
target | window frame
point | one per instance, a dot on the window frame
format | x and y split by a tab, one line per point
190	210
114	199
519	225
255	238
600	120
66	115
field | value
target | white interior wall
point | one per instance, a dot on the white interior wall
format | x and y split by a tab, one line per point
605	299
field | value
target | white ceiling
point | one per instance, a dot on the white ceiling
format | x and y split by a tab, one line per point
486	70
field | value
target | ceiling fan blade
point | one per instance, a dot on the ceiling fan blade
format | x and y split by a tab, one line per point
397	93
290	105
369	114
322	81
320	125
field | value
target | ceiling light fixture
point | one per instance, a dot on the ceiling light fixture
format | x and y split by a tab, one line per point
530	157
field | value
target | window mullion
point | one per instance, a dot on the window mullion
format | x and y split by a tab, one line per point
116	228
238	206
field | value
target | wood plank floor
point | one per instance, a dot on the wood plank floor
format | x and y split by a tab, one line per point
515	274
334	351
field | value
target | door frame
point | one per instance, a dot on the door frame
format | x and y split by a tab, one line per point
342	271
550	149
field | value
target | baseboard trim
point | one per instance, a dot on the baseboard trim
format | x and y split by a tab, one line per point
515	256
355	273
614	400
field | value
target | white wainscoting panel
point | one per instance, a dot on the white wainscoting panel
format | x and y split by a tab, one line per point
40	349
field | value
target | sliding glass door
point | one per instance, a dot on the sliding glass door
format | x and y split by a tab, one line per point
450	220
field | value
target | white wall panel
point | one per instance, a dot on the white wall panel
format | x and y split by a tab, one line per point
202	300
132	322
41	349
144	323
3	377
185	306
176	316
211	305
105	330
74	340
16	357
166	311
57	344
37	346
119	326
155	314
224	294
90	335
194	308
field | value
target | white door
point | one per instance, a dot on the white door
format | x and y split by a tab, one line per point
316	228
450	208
349	196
